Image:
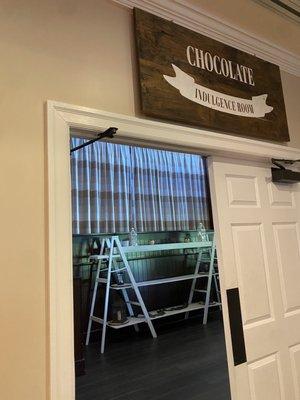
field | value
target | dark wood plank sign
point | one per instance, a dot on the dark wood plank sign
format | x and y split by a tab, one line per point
192	79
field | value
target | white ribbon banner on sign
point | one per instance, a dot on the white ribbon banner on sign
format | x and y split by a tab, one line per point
255	108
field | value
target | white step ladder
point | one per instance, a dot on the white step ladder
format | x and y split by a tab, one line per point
212	277
116	251
111	250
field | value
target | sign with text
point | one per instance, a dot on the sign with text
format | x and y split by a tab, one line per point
187	77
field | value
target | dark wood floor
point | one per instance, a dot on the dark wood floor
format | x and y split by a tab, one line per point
187	361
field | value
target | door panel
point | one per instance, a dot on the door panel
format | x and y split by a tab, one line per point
252	272
266	379
258	241
288	261
295	360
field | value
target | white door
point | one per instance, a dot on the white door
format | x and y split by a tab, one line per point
258	242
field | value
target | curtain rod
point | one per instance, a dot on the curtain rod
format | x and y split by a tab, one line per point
110	132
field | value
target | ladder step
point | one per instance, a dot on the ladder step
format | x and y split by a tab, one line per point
214	304
118	270
130	321
101	280
115	286
134	303
96	319
200	290
104	257
112	271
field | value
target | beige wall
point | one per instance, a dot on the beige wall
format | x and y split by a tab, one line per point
78	52
256	19
291	89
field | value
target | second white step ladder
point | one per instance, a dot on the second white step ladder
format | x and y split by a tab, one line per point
212	278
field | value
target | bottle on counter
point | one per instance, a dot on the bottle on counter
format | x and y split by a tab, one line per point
133	237
94	246
201	233
187	238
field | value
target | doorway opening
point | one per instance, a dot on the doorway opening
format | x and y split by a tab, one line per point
144	250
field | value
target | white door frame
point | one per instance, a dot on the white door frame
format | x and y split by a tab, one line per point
60	119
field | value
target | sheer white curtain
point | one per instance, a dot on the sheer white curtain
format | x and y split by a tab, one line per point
169	190
116	187
101	188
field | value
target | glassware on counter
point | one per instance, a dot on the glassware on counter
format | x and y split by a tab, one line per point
201	233
187	238
133	237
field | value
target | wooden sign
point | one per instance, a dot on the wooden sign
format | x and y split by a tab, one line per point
190	78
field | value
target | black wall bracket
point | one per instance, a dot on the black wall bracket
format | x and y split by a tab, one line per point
109	133
283	175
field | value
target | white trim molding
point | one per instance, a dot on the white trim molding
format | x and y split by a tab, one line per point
61	120
198	20
160	134
285	8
